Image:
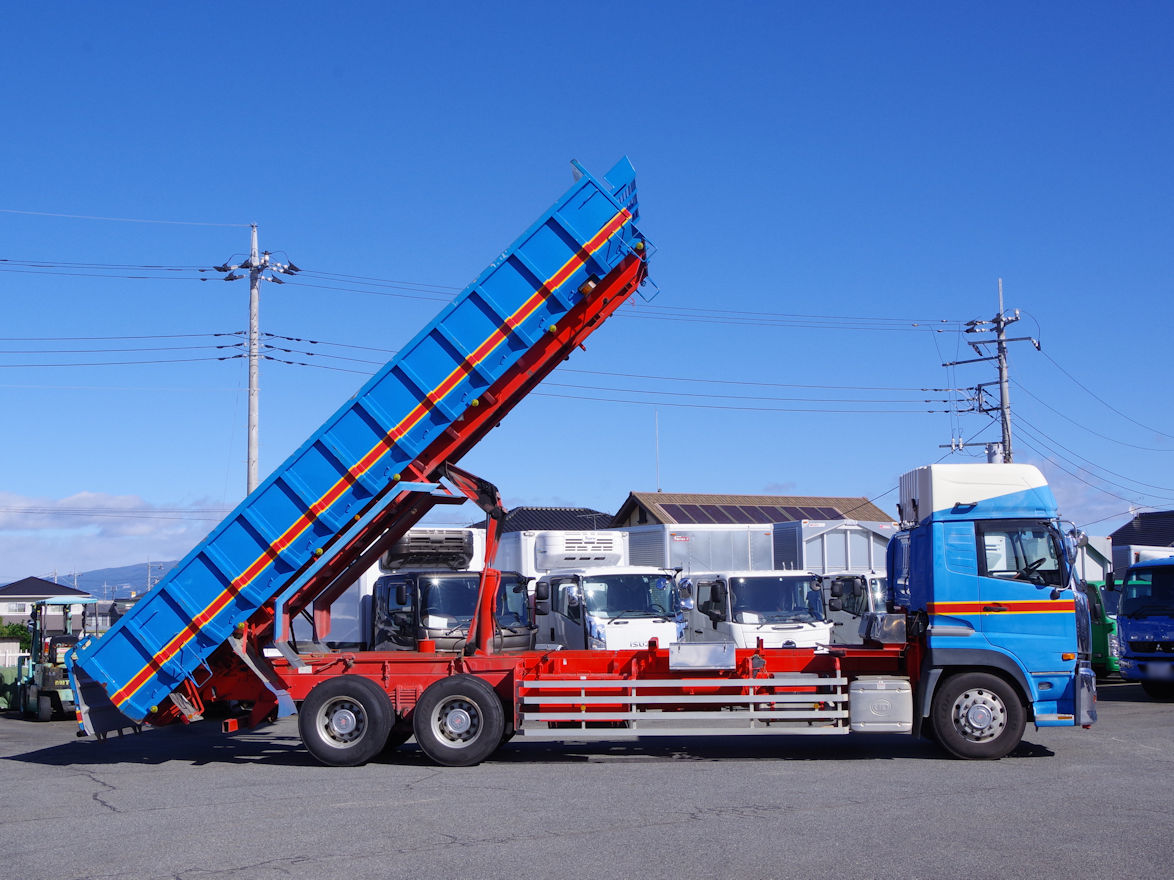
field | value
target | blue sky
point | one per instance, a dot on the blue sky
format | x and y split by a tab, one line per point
832	189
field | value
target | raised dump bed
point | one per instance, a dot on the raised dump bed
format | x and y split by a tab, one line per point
353	464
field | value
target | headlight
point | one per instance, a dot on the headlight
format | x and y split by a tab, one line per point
1114	646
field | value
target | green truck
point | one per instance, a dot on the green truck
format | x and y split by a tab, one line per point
1102	607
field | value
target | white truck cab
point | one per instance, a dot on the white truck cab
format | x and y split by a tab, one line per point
782	608
609	608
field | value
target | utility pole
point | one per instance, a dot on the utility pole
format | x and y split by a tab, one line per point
254	355
999	323
258	265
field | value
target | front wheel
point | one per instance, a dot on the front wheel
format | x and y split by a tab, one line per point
345	721
1162	691
44	708
977	716
459	721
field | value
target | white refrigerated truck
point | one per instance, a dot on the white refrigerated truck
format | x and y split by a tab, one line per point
597	599
731	590
849	557
777	608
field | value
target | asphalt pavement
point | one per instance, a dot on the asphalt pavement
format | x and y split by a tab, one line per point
192	803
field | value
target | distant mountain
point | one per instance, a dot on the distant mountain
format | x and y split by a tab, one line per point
116	583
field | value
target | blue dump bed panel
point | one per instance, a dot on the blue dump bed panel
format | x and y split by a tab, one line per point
363	448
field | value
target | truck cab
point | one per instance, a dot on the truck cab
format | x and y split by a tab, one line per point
609	608
850	598
782	608
1145	627
414	606
985	571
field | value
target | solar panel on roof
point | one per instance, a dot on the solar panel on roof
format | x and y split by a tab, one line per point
737	513
760	513
829	513
697	513
789	513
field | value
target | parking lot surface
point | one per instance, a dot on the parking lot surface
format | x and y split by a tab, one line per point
192	803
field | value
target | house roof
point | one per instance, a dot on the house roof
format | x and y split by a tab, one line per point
683	508
1147	530
524	519
37	588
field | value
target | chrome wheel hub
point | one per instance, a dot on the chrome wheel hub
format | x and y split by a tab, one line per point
979	714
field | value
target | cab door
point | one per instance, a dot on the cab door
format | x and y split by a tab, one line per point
393	622
1021	578
567	613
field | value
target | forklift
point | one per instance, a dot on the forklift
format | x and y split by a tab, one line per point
41	679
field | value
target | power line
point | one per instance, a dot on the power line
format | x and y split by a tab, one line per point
119	219
1085	427
1102	401
1045	437
123	363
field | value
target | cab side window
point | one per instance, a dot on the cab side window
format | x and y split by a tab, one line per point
1021	551
562	590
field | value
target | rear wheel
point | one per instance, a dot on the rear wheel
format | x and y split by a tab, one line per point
977	716
459	721
345	721
44	708
1159	690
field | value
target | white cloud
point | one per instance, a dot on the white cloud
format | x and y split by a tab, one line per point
91	530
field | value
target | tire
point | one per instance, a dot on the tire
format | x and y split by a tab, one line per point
977	716
345	721
459	721
1163	691
399	734
44	708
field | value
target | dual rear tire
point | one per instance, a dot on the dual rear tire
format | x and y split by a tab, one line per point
348	720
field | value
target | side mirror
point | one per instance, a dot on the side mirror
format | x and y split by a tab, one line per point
574	597
836	604
542	591
858	587
401	594
837	590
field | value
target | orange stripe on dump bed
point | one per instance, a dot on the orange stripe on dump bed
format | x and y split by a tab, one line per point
364	464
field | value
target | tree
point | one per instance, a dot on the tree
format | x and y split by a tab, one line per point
17	631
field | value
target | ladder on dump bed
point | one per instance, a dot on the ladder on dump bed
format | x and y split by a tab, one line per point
373	468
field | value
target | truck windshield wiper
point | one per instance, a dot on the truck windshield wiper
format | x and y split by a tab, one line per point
637	612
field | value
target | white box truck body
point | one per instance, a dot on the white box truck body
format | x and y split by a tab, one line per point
597	599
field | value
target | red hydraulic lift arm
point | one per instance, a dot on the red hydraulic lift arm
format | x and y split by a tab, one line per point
484	494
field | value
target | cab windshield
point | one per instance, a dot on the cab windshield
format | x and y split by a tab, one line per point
629	595
772	599
1148	593
449	597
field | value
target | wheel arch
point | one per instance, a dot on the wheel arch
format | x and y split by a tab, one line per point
942	664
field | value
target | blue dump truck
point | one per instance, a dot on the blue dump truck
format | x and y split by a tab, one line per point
1145	627
983	634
